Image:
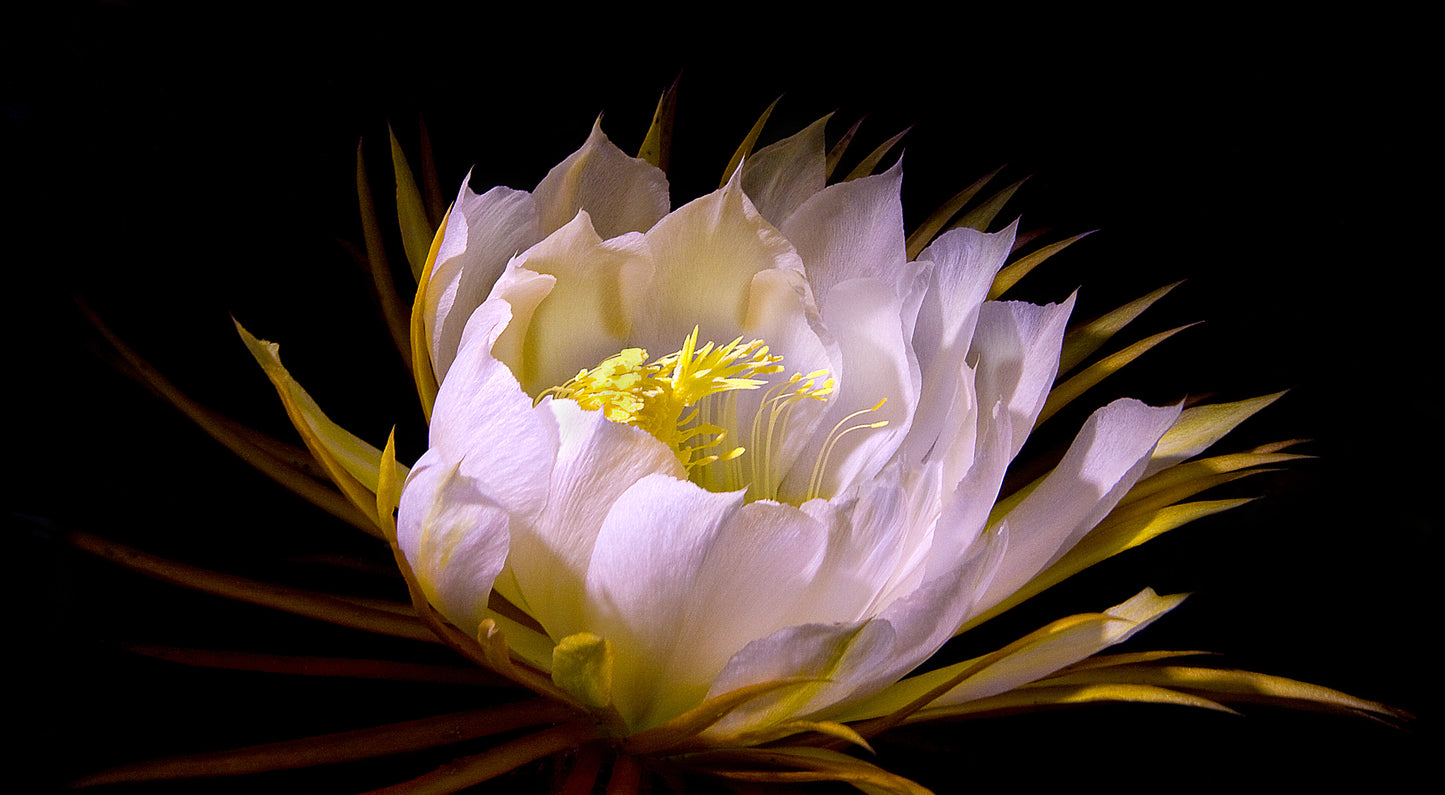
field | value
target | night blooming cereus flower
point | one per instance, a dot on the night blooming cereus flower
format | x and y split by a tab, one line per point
715	480
799	490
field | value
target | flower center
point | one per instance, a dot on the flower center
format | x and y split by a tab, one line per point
688	401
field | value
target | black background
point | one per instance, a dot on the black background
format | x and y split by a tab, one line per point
177	167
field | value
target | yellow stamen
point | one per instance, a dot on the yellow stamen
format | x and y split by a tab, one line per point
688	401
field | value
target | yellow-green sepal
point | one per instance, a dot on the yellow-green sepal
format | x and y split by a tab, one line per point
1083	340
867	164
354	465
1063	394
749	141
657	145
1019	268
421	364
416	230
919	239
582	666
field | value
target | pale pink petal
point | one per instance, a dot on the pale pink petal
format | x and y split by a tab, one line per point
482	233
1102	464
484	421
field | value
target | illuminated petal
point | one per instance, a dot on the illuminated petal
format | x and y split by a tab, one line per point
481	234
591	289
1017	345
877	383
597	461
961	266
662	585
621	193
484	423
852	230
705	256
454	538
1104	461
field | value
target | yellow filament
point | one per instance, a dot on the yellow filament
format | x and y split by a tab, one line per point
821	465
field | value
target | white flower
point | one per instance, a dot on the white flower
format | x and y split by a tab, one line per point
822	514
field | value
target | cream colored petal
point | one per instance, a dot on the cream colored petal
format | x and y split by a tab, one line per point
705	256
586	314
621	193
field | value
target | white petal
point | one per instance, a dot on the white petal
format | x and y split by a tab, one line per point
1017	347
646	554
782	175
925	619
454	538
856	659
597	461
966	507
871	533
852	230
1104	461
874	365
964	263
482	233
483	421
664	587
620	192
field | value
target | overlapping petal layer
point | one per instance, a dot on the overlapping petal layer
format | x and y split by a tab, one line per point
851	537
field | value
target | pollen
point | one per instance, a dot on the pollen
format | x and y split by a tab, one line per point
687	400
